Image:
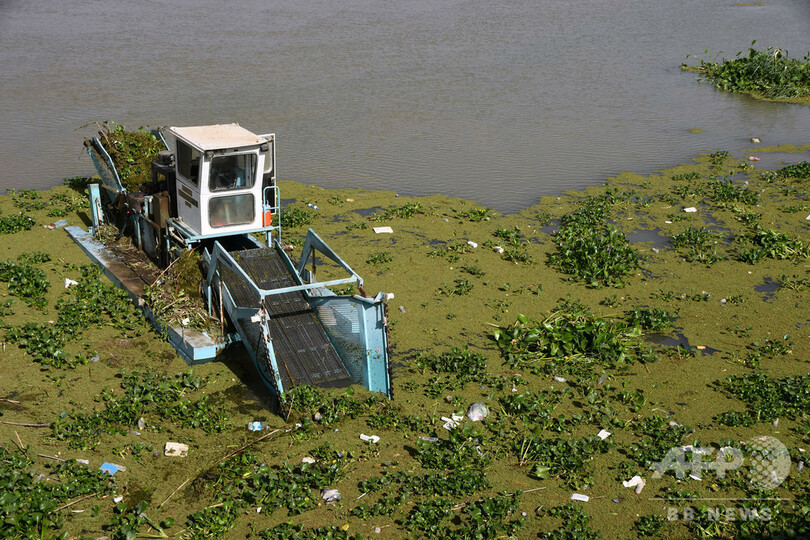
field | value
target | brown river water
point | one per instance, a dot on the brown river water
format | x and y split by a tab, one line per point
500	102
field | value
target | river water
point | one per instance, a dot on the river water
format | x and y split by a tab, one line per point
497	101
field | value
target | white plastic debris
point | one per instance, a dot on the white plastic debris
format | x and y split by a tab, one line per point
690	210
381	230
83	461
308	459
499	249
185	321
118	499
807	218
477	411
369	438
755	140
695	477
256	318
580	497
604	434
430	439
636	482
560	379
69	282
472	244
330	495
141	423
175	449
452	422
402	309
255	426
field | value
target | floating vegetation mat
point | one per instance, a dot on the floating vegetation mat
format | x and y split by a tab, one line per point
555	381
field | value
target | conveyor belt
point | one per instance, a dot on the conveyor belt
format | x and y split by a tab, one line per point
303	351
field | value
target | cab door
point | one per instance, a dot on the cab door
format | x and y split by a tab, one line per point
189	172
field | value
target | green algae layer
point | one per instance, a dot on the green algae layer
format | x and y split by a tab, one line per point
655	326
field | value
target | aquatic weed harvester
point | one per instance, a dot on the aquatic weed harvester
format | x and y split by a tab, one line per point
213	189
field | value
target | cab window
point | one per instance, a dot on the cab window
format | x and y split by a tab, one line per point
231	210
235	171
188	162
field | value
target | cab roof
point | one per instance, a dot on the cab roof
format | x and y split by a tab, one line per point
218	136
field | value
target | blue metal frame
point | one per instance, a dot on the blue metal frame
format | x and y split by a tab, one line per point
369	347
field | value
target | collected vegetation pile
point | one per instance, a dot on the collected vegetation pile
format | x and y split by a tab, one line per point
769	73
132	153
176	296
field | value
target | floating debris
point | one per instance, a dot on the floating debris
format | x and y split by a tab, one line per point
381	230
111	468
477	411
174	449
452	422
636	482
330	495
370	438
580	497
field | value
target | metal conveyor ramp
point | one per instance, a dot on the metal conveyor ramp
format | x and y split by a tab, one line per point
296	330
301	346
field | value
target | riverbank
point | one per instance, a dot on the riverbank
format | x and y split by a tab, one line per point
723	323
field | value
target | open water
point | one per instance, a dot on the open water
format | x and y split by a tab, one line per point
499	101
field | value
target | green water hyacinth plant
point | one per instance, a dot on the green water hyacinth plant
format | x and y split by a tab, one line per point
767	73
570	331
590	249
772	244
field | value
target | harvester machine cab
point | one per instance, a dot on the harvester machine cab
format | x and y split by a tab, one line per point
224	179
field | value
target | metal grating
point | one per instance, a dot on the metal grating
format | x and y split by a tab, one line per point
303	351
